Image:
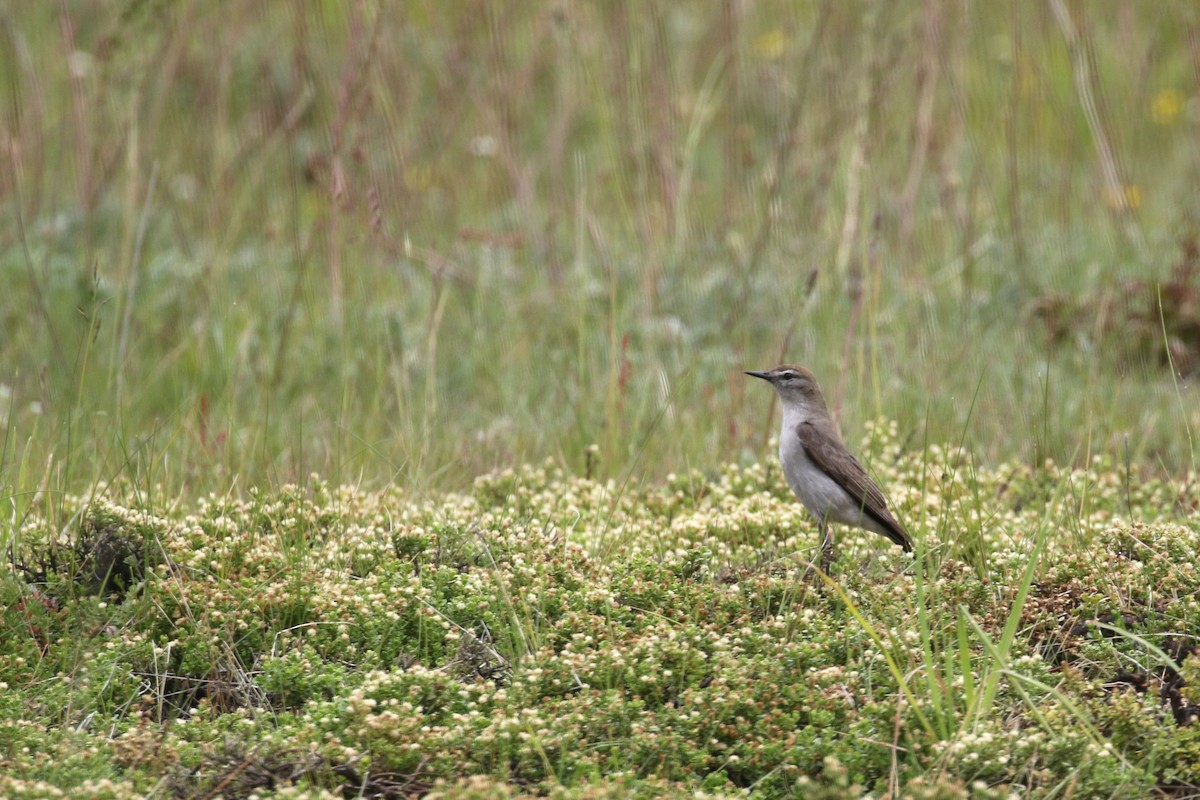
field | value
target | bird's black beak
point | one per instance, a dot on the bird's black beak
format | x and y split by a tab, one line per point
766	376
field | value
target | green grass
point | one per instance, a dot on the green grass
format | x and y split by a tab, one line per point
250	253
304	253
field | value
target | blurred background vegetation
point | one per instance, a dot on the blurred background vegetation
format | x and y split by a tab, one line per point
242	242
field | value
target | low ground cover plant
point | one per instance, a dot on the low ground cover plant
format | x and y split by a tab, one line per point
549	633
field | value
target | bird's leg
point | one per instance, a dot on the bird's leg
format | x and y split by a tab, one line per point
825	560
826	546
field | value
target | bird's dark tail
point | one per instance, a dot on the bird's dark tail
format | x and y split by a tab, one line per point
892	529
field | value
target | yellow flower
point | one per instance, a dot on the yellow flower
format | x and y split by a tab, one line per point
771	44
419	178
1166	106
1127	197
1028	79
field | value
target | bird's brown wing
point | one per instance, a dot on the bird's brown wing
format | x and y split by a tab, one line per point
835	461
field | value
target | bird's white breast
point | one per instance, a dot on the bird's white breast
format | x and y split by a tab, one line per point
819	493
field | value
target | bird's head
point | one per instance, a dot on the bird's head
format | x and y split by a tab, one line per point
796	386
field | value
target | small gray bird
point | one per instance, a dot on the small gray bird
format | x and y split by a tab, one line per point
829	481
